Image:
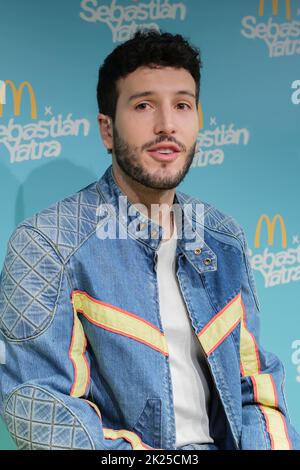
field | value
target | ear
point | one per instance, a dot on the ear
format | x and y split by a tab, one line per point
106	130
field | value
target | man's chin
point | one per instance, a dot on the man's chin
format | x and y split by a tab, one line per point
159	177
166	178
169	180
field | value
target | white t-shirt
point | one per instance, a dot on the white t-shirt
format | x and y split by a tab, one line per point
190	375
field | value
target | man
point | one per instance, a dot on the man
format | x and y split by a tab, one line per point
128	310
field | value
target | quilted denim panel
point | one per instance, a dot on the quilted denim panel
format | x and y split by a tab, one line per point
211	217
29	285
37	420
69	222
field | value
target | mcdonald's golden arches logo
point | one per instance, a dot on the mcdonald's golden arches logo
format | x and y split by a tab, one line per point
270	230
2	92
200	116
17	98
275	7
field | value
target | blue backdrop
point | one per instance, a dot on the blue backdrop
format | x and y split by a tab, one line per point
248	154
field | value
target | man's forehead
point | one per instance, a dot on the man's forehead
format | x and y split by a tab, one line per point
160	79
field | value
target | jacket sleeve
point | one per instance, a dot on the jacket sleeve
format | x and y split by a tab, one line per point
45	396
265	419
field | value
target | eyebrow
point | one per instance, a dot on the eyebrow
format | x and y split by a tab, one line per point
149	93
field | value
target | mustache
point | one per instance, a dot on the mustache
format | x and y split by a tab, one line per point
161	139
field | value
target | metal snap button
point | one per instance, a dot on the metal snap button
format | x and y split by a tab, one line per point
207	261
198	251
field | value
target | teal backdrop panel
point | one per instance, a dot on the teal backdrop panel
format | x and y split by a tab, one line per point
248	150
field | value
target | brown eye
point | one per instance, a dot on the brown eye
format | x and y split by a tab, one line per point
141	106
184	106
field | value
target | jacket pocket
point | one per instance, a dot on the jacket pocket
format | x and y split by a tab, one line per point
148	426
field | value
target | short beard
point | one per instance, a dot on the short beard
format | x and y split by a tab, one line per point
126	157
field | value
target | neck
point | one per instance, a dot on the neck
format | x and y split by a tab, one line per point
156	203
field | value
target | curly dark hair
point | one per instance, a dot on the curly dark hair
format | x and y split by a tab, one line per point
150	48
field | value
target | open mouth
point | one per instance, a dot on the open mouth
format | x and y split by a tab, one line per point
166	152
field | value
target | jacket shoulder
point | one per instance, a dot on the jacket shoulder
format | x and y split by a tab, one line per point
33	269
212	218
69	222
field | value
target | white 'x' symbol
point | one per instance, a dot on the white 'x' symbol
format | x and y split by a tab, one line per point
48	110
213	121
296	239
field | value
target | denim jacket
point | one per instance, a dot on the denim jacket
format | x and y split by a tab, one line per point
87	364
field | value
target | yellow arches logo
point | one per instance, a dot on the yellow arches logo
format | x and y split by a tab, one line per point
17	97
200	116
2	92
270	230
288	12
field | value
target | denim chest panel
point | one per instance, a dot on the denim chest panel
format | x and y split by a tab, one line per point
213	300
117	303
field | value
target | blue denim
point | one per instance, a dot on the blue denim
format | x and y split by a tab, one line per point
198	447
87	363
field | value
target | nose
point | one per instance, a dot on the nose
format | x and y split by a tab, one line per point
164	121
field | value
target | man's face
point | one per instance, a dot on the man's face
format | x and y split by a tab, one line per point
156	126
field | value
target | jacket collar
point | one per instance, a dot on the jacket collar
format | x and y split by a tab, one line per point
189	219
